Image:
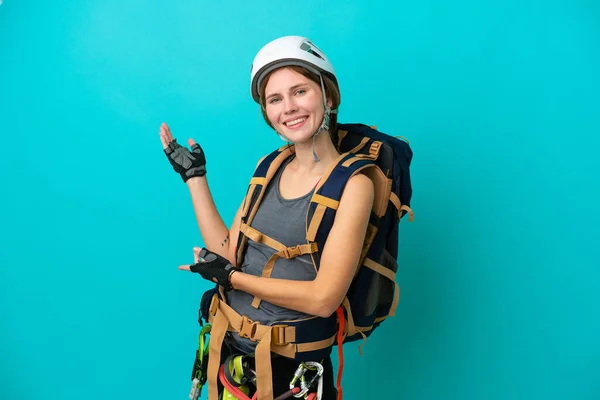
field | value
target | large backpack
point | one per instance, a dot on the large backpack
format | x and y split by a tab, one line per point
373	294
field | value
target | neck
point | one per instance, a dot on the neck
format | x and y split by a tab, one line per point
305	160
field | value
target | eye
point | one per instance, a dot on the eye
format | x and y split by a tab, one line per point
300	91
273	100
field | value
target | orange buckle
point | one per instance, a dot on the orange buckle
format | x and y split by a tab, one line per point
374	149
292	252
248	328
278	335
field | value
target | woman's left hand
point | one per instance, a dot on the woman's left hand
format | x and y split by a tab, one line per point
212	267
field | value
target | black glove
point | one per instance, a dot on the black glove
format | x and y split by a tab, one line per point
186	163
214	268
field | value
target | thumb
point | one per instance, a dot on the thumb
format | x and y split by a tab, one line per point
191	142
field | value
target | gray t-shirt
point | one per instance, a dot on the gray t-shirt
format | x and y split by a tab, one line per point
285	221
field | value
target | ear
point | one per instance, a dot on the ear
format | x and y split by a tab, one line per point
329	103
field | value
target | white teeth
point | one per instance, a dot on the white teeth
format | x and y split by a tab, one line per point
296	121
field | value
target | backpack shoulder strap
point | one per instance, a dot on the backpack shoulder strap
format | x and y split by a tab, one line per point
325	200
265	171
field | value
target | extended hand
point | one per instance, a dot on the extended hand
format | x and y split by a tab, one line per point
212	267
186	163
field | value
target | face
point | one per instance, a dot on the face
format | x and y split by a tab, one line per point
294	104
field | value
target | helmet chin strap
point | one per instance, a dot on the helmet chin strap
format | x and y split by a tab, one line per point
324	123
326	119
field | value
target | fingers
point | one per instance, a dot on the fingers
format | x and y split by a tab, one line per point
165	135
184	268
168	130
196	255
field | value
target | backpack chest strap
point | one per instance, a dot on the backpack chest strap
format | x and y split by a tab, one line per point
282	252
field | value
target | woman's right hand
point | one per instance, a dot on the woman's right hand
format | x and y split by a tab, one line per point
186	163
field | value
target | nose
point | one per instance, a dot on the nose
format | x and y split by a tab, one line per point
289	105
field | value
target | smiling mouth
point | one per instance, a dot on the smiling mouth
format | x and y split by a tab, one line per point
296	122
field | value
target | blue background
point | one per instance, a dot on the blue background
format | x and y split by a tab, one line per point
499	273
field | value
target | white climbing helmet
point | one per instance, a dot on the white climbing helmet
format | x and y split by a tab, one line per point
288	50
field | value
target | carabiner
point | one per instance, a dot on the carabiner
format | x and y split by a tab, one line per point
299	374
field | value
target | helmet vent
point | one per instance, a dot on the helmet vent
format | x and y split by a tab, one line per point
311	48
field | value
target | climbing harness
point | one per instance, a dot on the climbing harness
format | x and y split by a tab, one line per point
239	380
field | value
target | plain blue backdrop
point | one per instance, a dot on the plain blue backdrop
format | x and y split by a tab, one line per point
499	272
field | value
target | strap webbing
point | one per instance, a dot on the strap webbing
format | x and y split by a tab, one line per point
288	253
388	273
218	330
282	251
224	318
326	201
264	377
380	269
396	201
315	222
258	237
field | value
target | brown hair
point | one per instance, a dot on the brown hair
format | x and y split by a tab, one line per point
331	93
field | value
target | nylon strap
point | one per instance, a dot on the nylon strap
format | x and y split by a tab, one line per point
258	237
380	269
315	222
256	180
362	144
326	201
288	253
391	275
411	214
219	328
264	377
279	339
396	201
351	161
247	200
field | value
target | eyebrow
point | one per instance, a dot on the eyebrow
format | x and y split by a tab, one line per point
291	89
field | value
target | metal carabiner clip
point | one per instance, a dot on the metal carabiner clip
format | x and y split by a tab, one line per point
299	374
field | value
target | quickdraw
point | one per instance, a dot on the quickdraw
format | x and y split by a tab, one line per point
200	363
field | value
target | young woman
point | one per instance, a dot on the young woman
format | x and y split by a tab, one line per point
296	88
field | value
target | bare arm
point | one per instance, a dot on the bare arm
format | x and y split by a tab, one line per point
339	259
217	238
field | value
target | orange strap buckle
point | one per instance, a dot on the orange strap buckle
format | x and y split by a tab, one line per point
248	328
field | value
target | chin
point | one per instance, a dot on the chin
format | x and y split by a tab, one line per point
300	136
